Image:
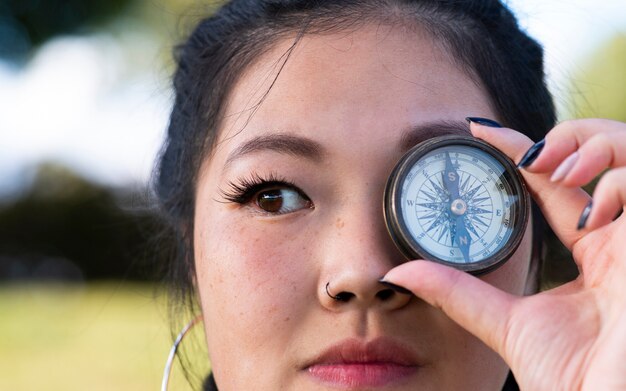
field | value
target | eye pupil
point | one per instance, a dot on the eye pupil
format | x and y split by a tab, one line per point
271	200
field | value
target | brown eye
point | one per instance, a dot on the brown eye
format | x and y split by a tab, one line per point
281	201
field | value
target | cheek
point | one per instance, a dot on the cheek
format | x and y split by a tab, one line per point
252	255
253	278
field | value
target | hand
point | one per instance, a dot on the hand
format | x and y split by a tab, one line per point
572	337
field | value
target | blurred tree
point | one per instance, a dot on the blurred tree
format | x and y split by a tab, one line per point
599	88
66	227
25	24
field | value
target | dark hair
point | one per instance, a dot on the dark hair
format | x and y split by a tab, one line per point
482	36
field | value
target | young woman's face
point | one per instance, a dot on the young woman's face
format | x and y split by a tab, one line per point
290	202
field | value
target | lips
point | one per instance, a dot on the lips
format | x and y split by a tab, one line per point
354	364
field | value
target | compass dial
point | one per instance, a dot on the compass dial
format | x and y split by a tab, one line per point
458	201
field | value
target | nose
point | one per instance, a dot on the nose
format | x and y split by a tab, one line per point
356	253
365	294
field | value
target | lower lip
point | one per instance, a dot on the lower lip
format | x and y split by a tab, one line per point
352	376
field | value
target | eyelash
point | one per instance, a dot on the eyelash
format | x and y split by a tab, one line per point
244	189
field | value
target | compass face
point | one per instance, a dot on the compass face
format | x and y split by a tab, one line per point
458	201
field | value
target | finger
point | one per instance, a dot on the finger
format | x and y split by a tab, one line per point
609	198
475	305
568	136
560	205
596	154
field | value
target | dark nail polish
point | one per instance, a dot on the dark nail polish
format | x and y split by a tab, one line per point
484	121
531	155
395	287
584	216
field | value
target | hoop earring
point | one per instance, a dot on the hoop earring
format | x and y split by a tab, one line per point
170	359
341	296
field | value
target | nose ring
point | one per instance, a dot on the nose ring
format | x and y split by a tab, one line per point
341	296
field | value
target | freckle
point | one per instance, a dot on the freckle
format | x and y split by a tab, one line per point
339	223
287	319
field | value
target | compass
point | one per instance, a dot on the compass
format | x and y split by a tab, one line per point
457	201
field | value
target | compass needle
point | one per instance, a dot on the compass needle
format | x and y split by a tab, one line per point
451	179
463	238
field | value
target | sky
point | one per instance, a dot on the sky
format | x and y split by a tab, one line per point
99	104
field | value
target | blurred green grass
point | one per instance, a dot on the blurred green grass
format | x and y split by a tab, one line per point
97	336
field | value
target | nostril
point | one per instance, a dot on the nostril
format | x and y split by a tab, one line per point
344	296
341	296
385	294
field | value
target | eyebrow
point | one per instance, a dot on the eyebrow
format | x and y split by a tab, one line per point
282	143
304	147
424	131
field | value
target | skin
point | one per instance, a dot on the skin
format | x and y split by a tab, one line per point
261	277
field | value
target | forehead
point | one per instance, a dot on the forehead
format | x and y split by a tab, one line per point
354	89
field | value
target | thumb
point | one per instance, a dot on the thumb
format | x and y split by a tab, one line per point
475	305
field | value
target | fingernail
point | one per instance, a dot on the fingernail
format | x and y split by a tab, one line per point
483	121
395	287
532	154
584	216
564	168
